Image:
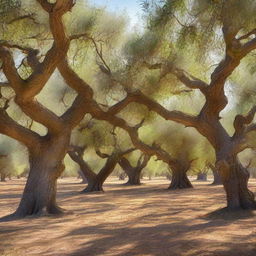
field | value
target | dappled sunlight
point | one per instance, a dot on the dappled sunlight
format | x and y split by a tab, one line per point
124	140
141	220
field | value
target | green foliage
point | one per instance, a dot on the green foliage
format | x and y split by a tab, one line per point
140	47
8	7
186	33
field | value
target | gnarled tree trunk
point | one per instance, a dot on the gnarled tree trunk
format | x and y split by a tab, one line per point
179	178
235	180
96	183
134	177
134	173
39	196
76	154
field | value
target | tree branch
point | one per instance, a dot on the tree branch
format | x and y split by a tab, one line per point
27	89
85	168
241	122
10	70
194	83
253	32
76	112
24	17
183	76
12	129
176	116
102	155
42	115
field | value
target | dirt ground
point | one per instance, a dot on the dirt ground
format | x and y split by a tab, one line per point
147	220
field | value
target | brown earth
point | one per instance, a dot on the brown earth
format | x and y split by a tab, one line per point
143	221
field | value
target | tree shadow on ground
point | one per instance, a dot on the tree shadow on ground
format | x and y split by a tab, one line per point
175	239
226	214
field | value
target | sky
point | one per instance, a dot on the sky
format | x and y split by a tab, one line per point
133	8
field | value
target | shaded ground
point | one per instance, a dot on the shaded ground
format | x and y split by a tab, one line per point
142	221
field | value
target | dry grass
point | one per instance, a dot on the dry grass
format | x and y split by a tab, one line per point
144	221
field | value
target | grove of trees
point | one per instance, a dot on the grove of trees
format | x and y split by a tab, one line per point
75	82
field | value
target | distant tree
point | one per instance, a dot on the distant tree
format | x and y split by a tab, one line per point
202	174
134	172
95	181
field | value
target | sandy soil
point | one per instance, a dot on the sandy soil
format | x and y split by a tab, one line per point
144	221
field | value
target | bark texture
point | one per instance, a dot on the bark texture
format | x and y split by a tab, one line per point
39	196
95	181
134	173
179	178
235	180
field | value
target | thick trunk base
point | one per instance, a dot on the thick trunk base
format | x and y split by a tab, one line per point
39	199
235	180
133	180
180	180
45	161
39	196
93	186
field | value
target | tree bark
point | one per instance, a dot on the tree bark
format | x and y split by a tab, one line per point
216	177
134	176
39	196
76	154
96	183
180	179
235	180
134	173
